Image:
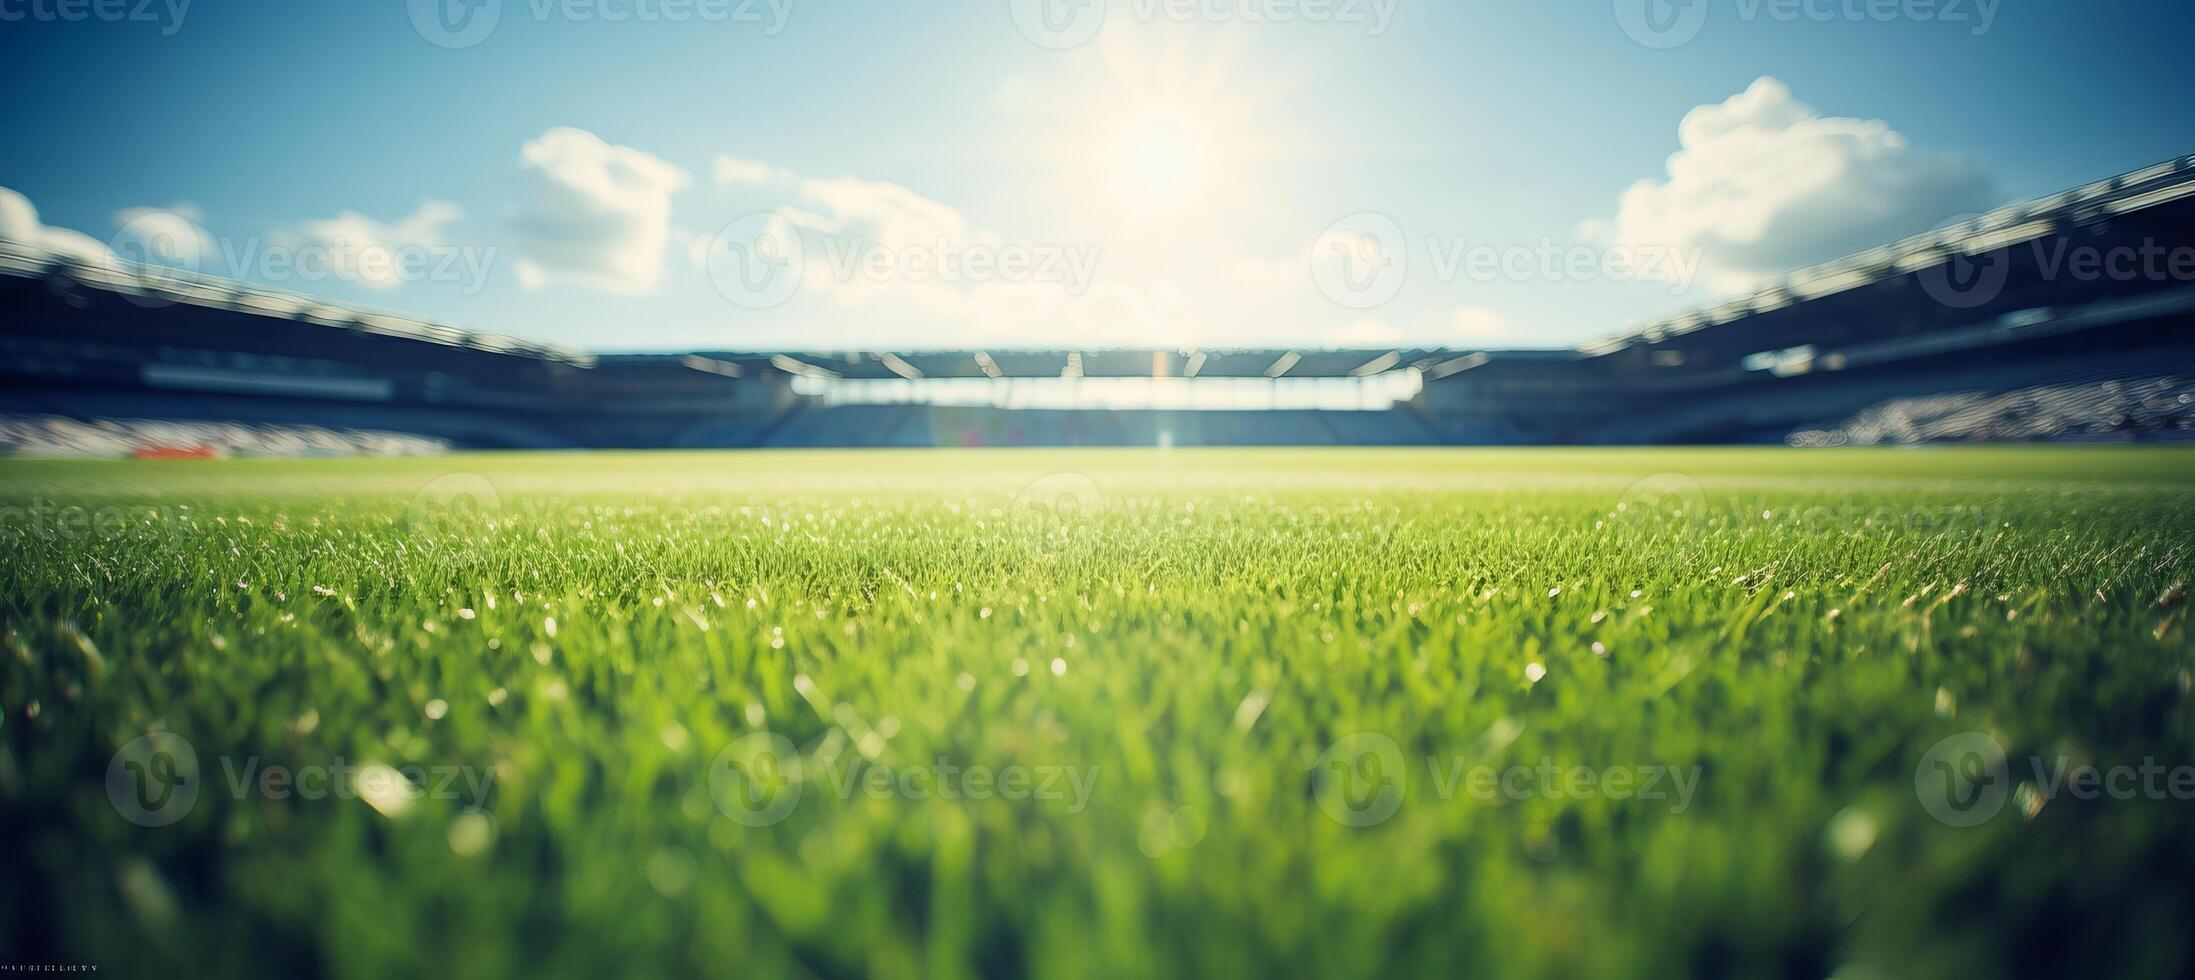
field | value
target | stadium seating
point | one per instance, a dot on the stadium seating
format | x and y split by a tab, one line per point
1868	348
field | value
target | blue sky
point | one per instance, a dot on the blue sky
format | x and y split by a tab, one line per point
947	175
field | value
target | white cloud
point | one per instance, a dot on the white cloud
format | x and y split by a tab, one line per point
894	254
845	219
1468	326
1270	273
19	223
170	236
1368	332
18	219
885	214
732	170
369	252
1765	184
1473	324
592	213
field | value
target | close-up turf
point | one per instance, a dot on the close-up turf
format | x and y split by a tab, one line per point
1745	712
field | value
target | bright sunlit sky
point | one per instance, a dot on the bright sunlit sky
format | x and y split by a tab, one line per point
1211	181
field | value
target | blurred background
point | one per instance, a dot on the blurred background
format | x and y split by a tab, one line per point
448	224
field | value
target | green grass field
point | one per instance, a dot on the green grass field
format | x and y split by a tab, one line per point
1236	713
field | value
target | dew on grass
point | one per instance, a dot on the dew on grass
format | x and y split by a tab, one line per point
1851	833
671	871
471	834
384	789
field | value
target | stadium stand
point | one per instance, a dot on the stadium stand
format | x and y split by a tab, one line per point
2065	317
51	435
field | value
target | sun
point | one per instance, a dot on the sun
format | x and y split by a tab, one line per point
1161	147
1160	159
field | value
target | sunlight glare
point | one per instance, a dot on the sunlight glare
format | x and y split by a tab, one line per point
1160	158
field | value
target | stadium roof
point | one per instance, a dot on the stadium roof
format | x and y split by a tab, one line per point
168	285
2147	188
2010	225
178	286
1277	362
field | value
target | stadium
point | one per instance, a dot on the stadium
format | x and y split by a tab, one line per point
1819	612
2066	317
